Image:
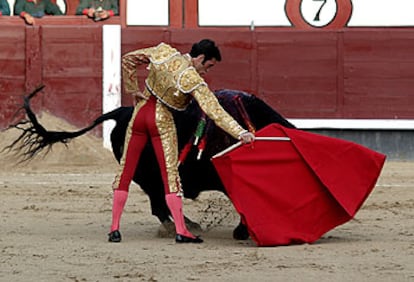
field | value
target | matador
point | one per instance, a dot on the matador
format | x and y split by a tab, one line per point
173	80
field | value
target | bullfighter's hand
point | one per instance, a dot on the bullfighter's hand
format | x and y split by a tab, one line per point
246	137
143	59
138	96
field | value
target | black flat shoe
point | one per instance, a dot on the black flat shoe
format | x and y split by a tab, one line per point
184	239
114	236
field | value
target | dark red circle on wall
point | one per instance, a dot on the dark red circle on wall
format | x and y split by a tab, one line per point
341	18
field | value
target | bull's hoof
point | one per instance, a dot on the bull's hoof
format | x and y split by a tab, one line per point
166	230
184	239
192	226
240	232
114	236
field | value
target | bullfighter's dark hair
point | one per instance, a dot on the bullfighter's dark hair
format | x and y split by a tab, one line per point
206	47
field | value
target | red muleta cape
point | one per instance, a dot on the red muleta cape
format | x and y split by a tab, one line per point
290	192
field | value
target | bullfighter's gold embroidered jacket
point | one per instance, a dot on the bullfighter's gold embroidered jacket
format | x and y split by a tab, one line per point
174	81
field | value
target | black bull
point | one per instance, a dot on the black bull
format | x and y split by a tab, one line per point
197	173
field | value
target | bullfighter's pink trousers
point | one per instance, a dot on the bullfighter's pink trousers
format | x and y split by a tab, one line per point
151	120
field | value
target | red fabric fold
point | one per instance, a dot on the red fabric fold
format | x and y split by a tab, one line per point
295	191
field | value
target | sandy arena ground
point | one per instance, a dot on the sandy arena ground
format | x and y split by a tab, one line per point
56	213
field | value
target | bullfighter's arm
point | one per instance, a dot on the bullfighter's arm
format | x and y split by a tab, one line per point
192	83
154	55
130	61
210	105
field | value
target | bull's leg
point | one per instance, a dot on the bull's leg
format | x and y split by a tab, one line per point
167	227
155	191
193	226
240	232
159	208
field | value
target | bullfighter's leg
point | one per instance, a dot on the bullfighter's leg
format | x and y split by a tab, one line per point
135	141
164	141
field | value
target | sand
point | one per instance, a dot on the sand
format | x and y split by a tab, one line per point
56	213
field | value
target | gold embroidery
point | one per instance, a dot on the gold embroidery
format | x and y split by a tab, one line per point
168	135
171	79
189	80
162	82
162	53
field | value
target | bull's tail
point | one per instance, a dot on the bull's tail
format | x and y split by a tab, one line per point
34	138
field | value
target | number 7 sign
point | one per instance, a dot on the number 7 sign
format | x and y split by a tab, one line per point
317	16
318	13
